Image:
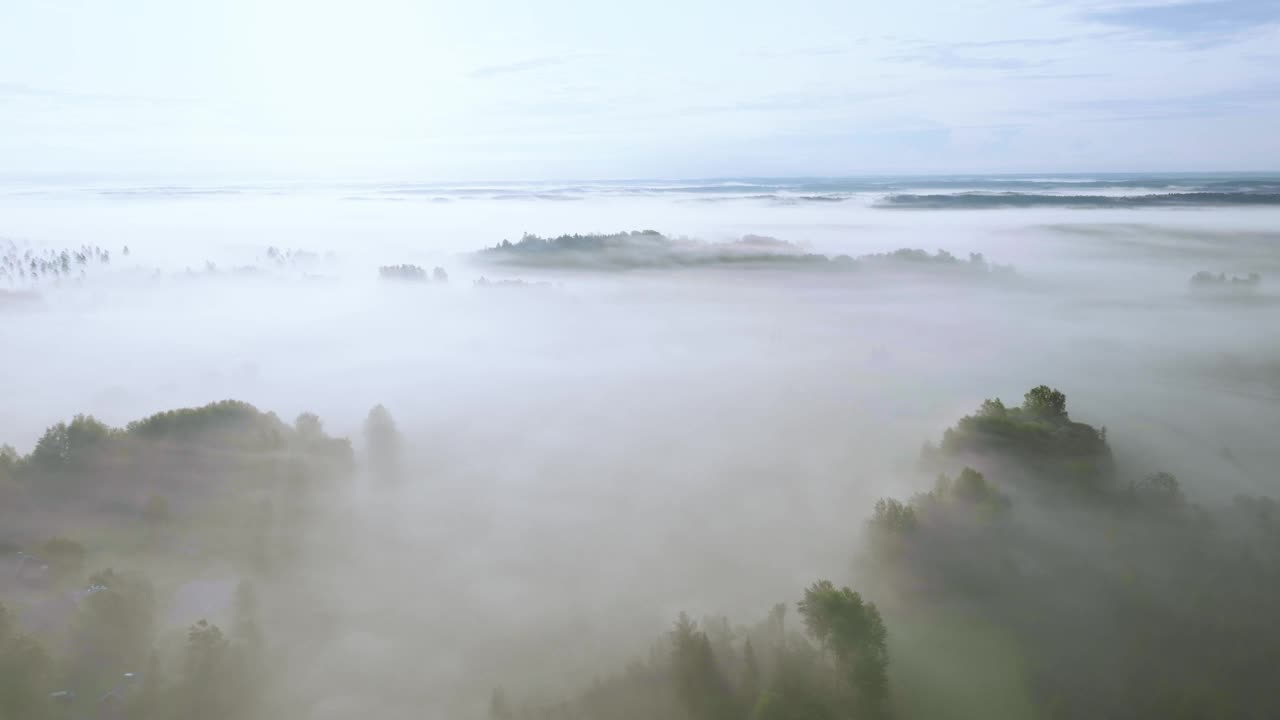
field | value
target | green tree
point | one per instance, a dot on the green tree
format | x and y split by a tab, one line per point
971	486
8	462
224	677
149	701
992	409
308	426
750	690
1046	403
114	630
1158	491
853	631
700	685
206	687
890	528
66	445
25	674
382	442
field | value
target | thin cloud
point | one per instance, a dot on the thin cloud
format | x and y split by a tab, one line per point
1061	76
946	57
1012	42
797	101
19	90
522	66
1196	20
822	51
1212	104
11	90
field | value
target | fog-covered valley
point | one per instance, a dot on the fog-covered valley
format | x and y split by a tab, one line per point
575	459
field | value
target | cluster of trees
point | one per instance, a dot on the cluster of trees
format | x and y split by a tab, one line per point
652	249
236	482
1207	280
383	445
591	242
917	258
177	463
235	485
112	667
647	249
1089	595
87	464
1036	445
413	273
1110	595
24	268
284	257
484	282
21	266
836	668
1123	598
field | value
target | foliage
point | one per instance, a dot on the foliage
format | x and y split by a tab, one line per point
26	674
70	445
406	273
853	631
713	671
219	677
701	686
382	443
1158	491
652	249
228	422
1113	597
1127	600
114	629
1039	439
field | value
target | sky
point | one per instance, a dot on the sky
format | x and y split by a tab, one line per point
510	89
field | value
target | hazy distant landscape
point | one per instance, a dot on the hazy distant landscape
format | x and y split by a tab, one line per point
403	360
386	489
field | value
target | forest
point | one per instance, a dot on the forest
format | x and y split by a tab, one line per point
1042	582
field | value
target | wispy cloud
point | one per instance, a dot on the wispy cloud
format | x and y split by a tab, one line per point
523	65
1012	42
11	90
1061	76
1197	20
20	90
820	51
796	101
1226	102
945	56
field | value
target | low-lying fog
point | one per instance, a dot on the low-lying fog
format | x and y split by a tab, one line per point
587	458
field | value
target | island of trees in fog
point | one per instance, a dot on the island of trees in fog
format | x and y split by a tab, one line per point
650	249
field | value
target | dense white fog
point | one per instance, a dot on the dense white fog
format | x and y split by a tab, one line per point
587	458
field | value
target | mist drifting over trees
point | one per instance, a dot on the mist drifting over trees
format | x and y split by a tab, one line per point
792	454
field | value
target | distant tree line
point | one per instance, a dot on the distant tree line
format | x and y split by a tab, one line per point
640	249
413	273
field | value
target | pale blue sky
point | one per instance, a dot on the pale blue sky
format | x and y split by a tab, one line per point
553	89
